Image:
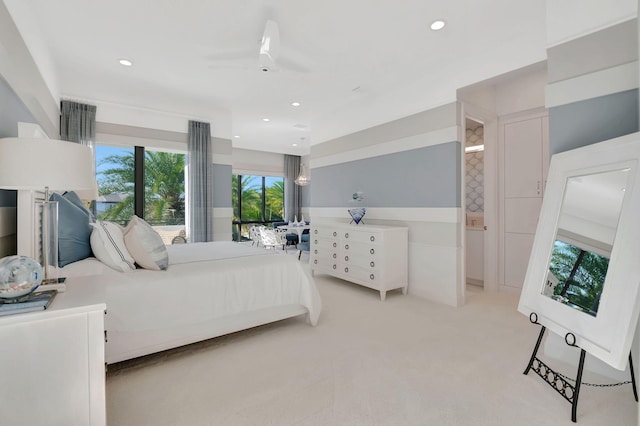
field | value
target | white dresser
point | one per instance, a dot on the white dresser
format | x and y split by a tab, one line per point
374	256
52	367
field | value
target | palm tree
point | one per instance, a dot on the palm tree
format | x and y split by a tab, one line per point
584	287
274	208
250	192
164	187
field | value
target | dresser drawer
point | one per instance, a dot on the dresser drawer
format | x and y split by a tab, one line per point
361	249
332	255
323	263
324	244
365	262
353	272
324	233
361	236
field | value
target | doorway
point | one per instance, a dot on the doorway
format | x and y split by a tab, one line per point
474	202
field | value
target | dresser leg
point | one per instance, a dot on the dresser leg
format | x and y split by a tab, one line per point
383	295
405	290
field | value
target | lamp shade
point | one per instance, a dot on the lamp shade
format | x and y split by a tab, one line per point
33	163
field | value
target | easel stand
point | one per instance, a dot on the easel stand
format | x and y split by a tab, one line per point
556	380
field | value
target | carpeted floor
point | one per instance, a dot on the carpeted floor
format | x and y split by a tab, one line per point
404	361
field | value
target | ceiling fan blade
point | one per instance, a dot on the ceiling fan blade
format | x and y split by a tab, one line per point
269	45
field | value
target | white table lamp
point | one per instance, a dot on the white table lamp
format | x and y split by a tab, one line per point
35	164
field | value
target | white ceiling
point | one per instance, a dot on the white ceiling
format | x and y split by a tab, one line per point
199	58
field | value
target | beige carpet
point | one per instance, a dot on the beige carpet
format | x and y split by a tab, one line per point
404	361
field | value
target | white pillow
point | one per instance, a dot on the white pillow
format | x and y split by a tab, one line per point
145	245
107	244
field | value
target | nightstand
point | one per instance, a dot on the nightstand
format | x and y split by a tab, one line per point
52	366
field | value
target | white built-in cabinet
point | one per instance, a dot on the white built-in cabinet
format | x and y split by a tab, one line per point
525	159
52	367
372	256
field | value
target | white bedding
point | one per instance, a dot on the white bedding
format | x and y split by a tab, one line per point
209	289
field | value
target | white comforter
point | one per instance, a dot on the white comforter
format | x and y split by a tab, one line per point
205	282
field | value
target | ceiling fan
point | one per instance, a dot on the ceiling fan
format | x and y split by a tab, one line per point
269	59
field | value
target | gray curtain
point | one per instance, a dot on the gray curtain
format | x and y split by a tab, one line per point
292	195
200	183
78	124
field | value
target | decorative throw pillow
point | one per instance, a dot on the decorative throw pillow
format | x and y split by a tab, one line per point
107	243
74	231
145	245
75	199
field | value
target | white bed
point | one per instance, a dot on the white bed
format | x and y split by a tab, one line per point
209	289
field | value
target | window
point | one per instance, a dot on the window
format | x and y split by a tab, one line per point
164	188
115	175
159	200
256	200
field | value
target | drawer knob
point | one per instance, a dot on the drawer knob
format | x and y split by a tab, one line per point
346	235
315	241
372	251
346	246
315	231
371	277
334	255
335	233
372	238
334	266
335	245
346	269
372	264
316	252
346	258
315	261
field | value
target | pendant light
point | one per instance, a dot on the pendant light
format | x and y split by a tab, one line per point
303	178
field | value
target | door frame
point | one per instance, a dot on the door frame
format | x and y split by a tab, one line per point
489	120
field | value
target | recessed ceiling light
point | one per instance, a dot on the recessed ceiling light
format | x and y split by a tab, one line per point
125	62
266	120
438	25
236	136
295	104
294	144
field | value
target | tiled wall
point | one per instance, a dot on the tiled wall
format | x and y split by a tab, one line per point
474	176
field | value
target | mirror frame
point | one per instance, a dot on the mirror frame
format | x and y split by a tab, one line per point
609	335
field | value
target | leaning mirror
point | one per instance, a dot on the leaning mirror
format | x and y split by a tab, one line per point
583	275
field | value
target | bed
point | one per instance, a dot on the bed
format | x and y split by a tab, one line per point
208	290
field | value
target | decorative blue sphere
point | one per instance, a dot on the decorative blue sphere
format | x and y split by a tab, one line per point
19	276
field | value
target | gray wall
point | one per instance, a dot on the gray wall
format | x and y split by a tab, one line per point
12	110
593	120
582	64
409	171
222	185
423	177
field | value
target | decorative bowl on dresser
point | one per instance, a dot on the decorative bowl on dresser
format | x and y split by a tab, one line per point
374	256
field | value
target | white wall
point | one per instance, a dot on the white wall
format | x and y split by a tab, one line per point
260	163
570	19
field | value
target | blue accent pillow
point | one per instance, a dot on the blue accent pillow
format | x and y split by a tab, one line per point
74	231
